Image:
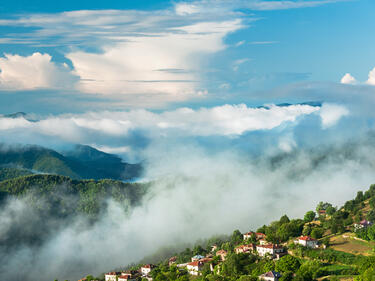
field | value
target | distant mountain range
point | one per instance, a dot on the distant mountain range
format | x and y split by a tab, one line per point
82	162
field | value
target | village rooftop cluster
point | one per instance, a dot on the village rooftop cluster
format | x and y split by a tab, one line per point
194	267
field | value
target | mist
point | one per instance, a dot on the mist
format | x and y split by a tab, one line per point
195	193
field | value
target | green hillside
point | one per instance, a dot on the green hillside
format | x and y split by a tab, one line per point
342	249
83	162
51	202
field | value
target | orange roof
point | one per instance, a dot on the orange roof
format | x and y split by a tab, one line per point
270	246
306	238
195	263
221	252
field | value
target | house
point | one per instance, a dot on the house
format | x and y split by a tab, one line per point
127	277
270	276
307	241
111	276
258	235
247	235
172	260
213	248
275	251
131	275
362	224
322	212
222	254
197	258
146	269
263	241
194	267
244	248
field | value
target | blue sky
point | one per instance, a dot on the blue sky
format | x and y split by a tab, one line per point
260	47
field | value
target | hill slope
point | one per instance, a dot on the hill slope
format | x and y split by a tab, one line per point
83	162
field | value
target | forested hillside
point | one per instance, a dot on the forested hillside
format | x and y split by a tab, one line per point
83	162
49	202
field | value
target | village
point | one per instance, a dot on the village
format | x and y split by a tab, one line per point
324	244
262	248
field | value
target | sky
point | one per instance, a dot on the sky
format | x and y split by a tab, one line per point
77	56
225	103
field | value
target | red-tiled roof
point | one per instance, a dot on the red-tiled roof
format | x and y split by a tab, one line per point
221	252
270	246
195	263
306	238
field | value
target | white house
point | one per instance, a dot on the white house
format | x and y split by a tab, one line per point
307	241
146	269
244	248
194	267
111	276
271	249
270	276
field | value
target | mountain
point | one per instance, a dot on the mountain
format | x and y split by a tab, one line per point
83	162
51	202
15	115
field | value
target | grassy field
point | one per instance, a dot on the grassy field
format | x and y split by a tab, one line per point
346	243
341	278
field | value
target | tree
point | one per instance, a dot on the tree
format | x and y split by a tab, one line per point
317	233
286	276
330	210
372	202
287	263
309	216
236	237
306	230
371	233
371	216
359	197
284	219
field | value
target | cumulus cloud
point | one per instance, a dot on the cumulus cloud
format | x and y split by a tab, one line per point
332	113
371	77
33	72
135	52
131	52
133	67
348	79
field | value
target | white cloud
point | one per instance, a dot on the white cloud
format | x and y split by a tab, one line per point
283	5
226	120
348	79
371	77
32	72
186	9
136	52
140	65
331	114
237	63
240	43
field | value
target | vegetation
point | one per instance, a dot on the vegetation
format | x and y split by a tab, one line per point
83	162
333	227
50	202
